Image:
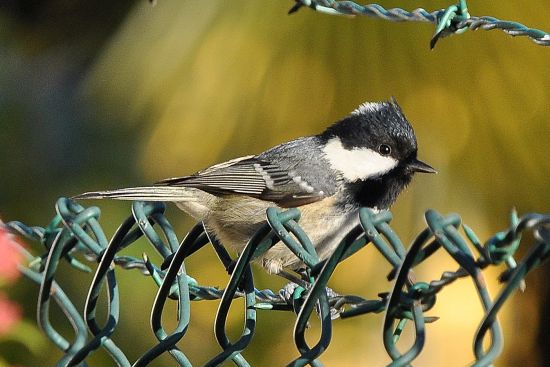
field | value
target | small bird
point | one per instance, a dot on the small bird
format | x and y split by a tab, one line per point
363	160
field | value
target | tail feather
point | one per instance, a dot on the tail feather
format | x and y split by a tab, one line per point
145	193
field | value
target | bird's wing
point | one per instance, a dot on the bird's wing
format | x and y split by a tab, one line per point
254	177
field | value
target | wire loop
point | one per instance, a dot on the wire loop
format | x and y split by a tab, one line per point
76	230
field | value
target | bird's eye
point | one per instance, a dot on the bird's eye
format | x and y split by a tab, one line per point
384	149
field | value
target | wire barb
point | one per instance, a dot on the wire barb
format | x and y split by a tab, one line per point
453	20
76	230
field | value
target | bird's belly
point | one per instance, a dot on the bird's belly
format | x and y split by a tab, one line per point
326	233
325	226
234	221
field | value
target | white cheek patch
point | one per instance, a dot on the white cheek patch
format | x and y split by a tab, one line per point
358	163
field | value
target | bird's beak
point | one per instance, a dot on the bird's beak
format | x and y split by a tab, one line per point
418	166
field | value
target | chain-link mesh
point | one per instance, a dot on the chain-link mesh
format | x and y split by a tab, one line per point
76	230
454	19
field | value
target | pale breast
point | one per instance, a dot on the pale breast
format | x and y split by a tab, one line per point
326	224
234	219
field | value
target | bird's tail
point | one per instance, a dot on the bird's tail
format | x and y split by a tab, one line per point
145	193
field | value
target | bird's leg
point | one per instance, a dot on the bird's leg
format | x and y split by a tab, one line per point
293	278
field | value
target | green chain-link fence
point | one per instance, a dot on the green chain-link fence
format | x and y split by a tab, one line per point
76	230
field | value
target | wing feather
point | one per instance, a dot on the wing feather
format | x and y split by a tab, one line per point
253	177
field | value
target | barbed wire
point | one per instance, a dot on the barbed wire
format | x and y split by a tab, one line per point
455	19
75	230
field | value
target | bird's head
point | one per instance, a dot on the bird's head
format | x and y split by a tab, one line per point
373	141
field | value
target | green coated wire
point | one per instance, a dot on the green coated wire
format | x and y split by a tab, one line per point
76	229
453	20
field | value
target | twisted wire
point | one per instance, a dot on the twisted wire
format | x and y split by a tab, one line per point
76	230
454	19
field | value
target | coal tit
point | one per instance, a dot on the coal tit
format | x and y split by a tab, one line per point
364	160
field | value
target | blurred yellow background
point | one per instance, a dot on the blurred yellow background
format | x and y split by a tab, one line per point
103	94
